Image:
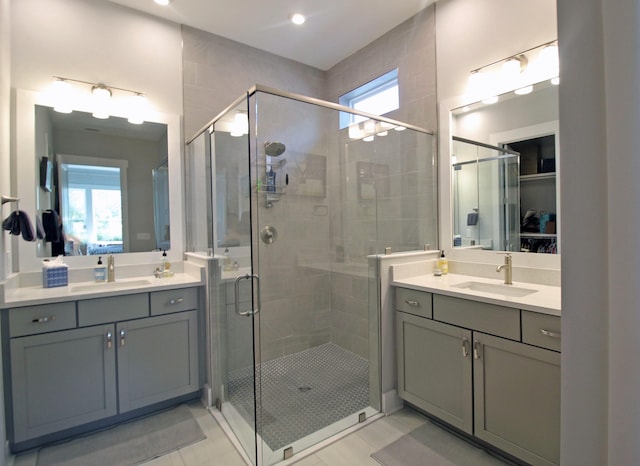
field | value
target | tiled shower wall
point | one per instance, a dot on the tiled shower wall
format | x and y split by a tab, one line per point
217	71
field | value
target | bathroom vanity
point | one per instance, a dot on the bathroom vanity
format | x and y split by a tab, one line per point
88	355
484	358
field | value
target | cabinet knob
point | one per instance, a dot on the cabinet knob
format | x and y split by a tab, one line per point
109	340
122	337
43	320
465	347
412	303
176	300
476	349
549	333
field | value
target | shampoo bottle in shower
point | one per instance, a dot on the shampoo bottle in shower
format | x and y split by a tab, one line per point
271	180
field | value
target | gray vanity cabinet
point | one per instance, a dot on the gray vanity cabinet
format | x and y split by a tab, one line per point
62	379
157	359
434	368
503	388
517	398
75	363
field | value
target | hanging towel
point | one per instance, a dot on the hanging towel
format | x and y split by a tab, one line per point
11	224
18	223
40	233
26	227
52	226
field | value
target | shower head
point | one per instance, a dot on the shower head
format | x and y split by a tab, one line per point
274	149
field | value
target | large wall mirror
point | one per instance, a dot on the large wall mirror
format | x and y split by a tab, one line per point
106	181
500	201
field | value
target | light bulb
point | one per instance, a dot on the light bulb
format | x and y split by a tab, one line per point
62	96
490	100
101	101
298	19
524	90
137	109
549	61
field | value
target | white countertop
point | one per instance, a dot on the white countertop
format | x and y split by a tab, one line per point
31	295
545	300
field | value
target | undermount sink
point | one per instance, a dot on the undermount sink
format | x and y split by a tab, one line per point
111	285
504	290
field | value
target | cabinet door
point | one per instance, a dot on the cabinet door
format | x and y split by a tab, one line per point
517	398
61	380
157	359
434	368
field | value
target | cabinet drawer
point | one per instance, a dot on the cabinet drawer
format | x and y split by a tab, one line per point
112	309
541	330
489	318
166	302
41	319
414	302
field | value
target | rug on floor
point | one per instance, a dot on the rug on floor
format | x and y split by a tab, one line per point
431	445
127	444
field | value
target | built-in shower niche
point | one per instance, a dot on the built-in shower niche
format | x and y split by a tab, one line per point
295	335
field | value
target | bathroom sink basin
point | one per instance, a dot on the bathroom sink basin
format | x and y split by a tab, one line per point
504	290
111	285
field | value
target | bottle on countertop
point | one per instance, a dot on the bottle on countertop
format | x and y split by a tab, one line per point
443	263
100	271
227	264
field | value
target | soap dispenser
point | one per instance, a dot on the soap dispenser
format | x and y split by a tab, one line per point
443	263
226	263
100	271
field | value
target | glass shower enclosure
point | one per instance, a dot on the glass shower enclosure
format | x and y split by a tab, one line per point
300	209
486	195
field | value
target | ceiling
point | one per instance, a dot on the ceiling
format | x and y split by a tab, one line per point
334	29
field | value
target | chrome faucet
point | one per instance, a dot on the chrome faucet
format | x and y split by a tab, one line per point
111	269
507	266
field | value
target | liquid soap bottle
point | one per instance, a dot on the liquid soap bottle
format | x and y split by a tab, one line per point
100	271
443	263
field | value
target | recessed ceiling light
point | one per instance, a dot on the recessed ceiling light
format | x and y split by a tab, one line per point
162	2
298	18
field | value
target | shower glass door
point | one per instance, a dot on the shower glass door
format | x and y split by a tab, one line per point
234	327
312	329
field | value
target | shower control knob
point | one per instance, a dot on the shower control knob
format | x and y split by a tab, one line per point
268	234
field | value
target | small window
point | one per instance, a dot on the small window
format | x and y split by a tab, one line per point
377	97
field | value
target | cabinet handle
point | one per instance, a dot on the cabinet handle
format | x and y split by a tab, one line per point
176	300
465	347
548	333
109	340
43	320
122	339
476	349
412	303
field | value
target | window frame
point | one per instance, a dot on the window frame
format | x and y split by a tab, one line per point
376	86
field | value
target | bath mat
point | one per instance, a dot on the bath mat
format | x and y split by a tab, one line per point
430	445
127	444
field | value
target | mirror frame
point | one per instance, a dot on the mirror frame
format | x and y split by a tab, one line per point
445	201
25	184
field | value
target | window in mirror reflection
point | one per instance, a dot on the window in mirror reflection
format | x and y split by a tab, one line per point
91	196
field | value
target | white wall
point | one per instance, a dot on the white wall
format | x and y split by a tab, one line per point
96	41
600	296
472	33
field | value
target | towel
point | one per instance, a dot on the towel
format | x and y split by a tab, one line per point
52	226
18	223
40	233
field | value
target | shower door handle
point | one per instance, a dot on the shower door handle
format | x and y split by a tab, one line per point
237	295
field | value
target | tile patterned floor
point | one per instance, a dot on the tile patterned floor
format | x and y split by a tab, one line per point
303	392
217	449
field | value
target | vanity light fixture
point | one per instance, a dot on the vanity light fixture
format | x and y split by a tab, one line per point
64	97
297	19
62	91
524	90
240	125
162	2
516	72
101	101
